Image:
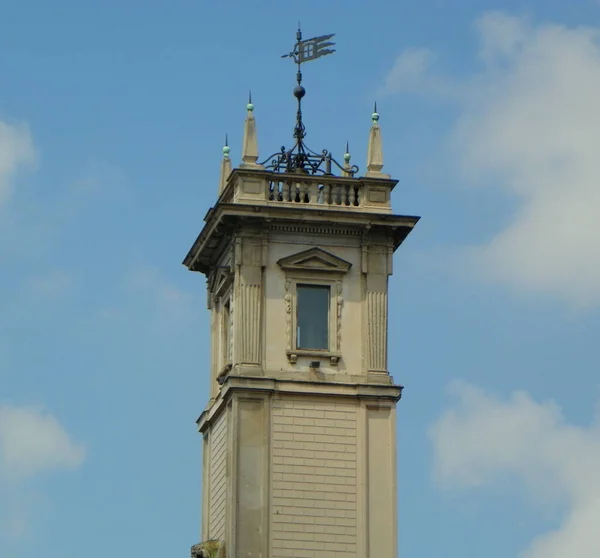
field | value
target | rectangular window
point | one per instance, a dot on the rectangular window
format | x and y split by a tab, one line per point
226	332
312	314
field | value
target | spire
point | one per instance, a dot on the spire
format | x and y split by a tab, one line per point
375	150
250	145
225	167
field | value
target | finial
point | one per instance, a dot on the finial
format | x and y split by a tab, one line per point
225	166
226	148
347	170
347	155
375	116
250	144
375	150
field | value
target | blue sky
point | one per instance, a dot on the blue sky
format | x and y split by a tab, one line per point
112	119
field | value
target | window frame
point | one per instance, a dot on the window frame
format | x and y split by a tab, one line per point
221	295
330	307
314	266
333	319
226	330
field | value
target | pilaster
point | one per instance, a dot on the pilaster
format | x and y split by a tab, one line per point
376	268
248	288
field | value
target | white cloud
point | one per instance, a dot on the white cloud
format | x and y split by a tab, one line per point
408	71
482	438
529	125
533	129
16	149
32	441
501	36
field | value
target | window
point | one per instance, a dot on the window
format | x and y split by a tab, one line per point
312	317
313	303
226	332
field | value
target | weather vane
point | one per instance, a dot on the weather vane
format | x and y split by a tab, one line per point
300	158
310	49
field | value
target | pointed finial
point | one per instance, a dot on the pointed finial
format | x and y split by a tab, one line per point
347	170
225	166
375	116
250	144
226	148
375	150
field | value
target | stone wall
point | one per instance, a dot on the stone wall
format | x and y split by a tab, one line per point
314	511
218	472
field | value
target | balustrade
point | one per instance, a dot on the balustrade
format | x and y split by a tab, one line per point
326	192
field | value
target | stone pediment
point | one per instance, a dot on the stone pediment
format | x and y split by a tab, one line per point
315	259
220	280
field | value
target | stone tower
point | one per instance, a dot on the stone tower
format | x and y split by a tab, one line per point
299	432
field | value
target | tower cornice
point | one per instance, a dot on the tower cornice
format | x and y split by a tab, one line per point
390	393
221	222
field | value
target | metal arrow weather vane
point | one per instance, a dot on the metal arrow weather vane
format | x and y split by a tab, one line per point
300	158
310	49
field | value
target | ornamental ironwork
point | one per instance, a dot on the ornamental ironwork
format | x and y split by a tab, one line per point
300	158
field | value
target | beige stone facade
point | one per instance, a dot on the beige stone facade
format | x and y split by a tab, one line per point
299	443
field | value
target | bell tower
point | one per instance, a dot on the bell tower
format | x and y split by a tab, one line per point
299	432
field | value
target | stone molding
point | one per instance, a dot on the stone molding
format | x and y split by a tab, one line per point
380	394
225	218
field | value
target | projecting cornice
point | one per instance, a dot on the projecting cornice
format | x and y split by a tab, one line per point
222	220
361	388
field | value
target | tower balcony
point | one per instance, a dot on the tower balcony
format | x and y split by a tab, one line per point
323	192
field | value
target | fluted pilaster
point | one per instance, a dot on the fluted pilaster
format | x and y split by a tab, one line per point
377	330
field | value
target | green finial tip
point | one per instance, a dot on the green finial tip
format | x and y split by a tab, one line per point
375	116
347	155
249	107
226	148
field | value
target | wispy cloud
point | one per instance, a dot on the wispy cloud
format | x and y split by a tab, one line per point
528	125
154	304
16	150
410	69
32	443
482	437
48	285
